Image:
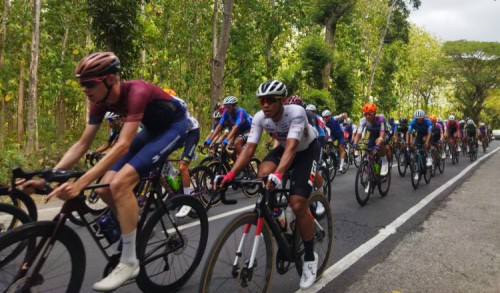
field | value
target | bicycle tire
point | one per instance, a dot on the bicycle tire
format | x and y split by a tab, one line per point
434	164
415	173
384	183
326	186
11	216
166	264
202	179
362	183
251	172
24	202
222	274
402	161
426	170
65	260
321	247
332	165
441	165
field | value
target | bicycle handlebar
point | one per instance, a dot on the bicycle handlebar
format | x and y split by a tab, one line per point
50	175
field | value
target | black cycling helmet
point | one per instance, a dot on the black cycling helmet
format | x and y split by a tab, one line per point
403	121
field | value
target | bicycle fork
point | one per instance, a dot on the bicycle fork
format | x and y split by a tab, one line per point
246	273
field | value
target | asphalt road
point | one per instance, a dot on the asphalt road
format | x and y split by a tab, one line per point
363	236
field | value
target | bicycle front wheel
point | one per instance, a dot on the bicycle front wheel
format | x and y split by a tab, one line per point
228	264
63	268
170	248
416	175
402	163
11	217
363	183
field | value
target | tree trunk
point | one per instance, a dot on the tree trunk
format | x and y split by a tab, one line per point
380	46
219	58
32	142
330	29
20	100
3	30
60	109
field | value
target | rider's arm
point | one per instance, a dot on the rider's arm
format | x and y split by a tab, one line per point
288	155
76	151
244	158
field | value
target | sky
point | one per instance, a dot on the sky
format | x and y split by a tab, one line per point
451	20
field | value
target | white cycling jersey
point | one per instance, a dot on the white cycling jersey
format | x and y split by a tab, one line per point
293	124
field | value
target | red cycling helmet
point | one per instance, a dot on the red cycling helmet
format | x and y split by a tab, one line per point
98	64
293	100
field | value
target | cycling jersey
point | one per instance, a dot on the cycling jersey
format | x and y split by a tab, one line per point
483	129
436	132
470	130
293	124
334	125
192	122
240	118
374	129
141	101
420	128
402	128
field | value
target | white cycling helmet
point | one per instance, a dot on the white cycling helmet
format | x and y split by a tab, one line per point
451	118
271	88
349	121
216	114
230	100
311	107
419	114
482	124
470	122
326	113
111	116
440	120
461	121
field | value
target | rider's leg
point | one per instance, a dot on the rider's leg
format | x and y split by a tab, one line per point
384	169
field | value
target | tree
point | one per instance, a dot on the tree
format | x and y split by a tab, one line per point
475	72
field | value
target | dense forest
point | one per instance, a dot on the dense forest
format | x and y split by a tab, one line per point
336	54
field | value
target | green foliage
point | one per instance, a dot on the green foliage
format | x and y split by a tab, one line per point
322	99
314	56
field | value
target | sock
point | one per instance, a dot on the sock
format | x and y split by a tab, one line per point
384	160
187	190
341	161
309	250
128	251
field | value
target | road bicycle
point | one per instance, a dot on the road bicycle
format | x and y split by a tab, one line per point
455	154
223	164
368	177
418	167
438	162
472	149
242	256
50	256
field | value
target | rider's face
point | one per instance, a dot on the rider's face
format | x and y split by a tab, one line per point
370	116
94	88
270	105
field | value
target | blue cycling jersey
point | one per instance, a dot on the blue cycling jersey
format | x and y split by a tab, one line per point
334	126
420	128
240	118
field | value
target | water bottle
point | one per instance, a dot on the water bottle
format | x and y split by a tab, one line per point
290	220
376	167
280	217
172	176
109	228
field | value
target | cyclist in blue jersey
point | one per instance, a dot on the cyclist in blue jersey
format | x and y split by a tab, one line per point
240	122
115	123
336	132
133	156
423	130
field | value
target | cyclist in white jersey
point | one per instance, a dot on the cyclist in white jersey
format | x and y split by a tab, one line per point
298	146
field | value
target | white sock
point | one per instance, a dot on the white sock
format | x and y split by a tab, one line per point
128	248
384	160
187	190
341	161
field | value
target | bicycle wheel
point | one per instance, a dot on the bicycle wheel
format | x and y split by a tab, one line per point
415	173
326	186
11	217
63	269
384	183
332	165
441	165
202	180
323	235
171	248
22	201
227	267
363	183
250	172
425	170
434	164
402	163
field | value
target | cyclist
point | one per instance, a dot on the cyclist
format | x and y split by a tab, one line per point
462	135
453	132
392	129
401	130
470	133
423	130
437	135
298	146
240	122
482	132
190	142
115	123
134	154
375	125
349	128
336	132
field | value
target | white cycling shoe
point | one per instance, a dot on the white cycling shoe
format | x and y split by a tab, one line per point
384	168
122	273
183	211
320	209
429	162
309	270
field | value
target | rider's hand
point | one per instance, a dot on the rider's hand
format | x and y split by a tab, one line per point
224	179
66	191
32	186
274	178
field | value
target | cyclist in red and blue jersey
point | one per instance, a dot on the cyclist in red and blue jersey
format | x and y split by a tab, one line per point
423	130
240	122
349	128
375	125
336	132
453	132
134	155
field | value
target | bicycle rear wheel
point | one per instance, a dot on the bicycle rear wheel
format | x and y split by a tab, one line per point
326	185
384	183
416	175
363	183
202	179
323	234
170	248
227	268
251	170
63	269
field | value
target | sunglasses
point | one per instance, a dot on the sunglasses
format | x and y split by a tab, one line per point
368	114
93	82
267	100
